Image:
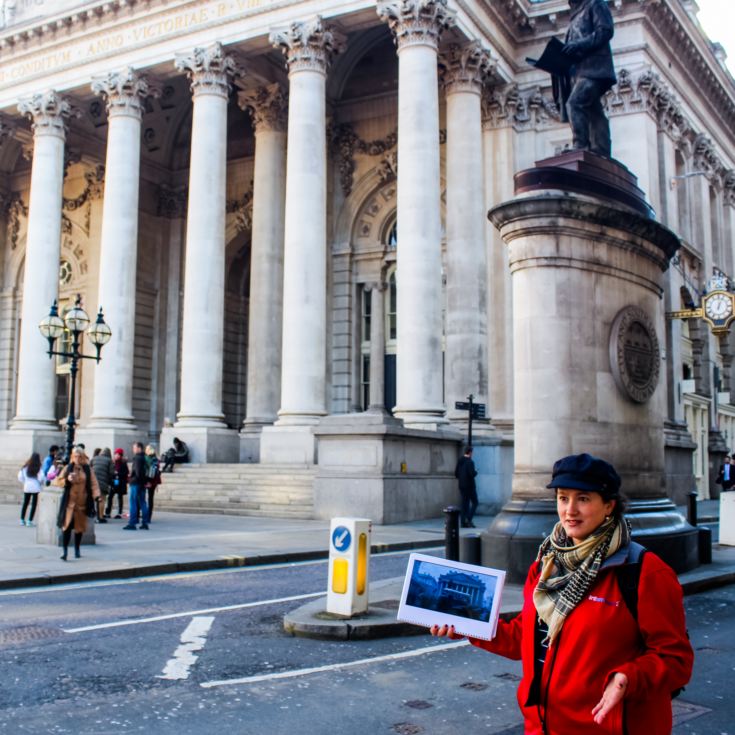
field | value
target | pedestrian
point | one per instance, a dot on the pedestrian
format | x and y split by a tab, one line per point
153	477
466	473
119	485
726	475
33	478
178	454
138	505
102	468
81	492
590	663
48	462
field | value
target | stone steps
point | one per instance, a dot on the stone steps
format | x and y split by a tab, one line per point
276	491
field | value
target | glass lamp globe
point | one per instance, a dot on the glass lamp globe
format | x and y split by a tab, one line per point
52	326
76	319
99	333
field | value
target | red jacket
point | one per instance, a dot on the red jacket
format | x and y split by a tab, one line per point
598	638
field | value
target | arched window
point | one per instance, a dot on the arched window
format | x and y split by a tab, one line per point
392	240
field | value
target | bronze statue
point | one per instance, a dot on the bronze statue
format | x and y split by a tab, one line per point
591	75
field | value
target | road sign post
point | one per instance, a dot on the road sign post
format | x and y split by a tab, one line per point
475	410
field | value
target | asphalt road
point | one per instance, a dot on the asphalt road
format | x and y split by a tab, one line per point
206	653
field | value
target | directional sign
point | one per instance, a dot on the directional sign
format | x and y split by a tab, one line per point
478	410
341	538
462	406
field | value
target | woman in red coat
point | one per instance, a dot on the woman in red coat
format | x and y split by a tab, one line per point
589	665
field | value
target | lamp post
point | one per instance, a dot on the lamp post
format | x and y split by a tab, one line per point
75	321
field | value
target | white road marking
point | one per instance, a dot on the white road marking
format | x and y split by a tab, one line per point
334	667
192	639
189	613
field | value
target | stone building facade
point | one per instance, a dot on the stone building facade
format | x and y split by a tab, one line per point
281	207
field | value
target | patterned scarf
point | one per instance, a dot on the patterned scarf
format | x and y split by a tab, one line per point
568	571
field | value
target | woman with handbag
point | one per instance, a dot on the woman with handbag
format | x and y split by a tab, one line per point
81	491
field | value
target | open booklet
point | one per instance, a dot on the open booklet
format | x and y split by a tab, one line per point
441	592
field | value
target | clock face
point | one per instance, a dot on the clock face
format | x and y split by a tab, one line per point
718	307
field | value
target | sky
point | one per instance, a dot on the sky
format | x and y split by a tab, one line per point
718	20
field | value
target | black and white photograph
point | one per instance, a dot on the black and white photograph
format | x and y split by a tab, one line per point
440	591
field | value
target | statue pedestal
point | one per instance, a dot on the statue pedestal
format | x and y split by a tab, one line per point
587	262
47	532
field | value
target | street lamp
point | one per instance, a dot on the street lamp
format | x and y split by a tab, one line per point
75	321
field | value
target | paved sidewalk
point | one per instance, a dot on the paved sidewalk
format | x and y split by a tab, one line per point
184	542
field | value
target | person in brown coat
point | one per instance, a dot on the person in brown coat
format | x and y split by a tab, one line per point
81	490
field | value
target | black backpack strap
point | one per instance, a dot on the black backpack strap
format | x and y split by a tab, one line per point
629	575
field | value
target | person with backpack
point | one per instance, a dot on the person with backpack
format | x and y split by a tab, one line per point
598	656
153	477
81	492
33	478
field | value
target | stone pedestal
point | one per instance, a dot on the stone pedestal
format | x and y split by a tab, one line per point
47	532
588	318
288	445
679	447
206	444
371	466
19	444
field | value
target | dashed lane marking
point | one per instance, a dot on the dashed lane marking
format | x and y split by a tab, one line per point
192	640
190	613
335	667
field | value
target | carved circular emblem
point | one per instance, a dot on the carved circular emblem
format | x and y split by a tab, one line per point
635	355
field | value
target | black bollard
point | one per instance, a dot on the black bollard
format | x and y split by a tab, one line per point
692	508
705	545
451	533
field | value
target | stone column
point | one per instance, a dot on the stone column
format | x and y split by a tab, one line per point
267	106
465	360
200	421
112	423
36	377
417	26
377	348
308	47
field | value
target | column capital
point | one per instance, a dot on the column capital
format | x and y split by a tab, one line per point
465	67
209	69
267	106
124	92
49	112
374	286
308	45
416	22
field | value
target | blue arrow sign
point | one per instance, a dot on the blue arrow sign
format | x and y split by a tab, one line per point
341	538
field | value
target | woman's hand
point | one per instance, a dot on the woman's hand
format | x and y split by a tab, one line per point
445	631
613	694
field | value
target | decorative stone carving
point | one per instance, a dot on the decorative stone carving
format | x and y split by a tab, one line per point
635	355
15	209
6	129
499	105
171	201
93	189
267	106
728	185
348	144
209	69
465	68
706	158
307	45
49	112
506	106
417	22
125	92
243	210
